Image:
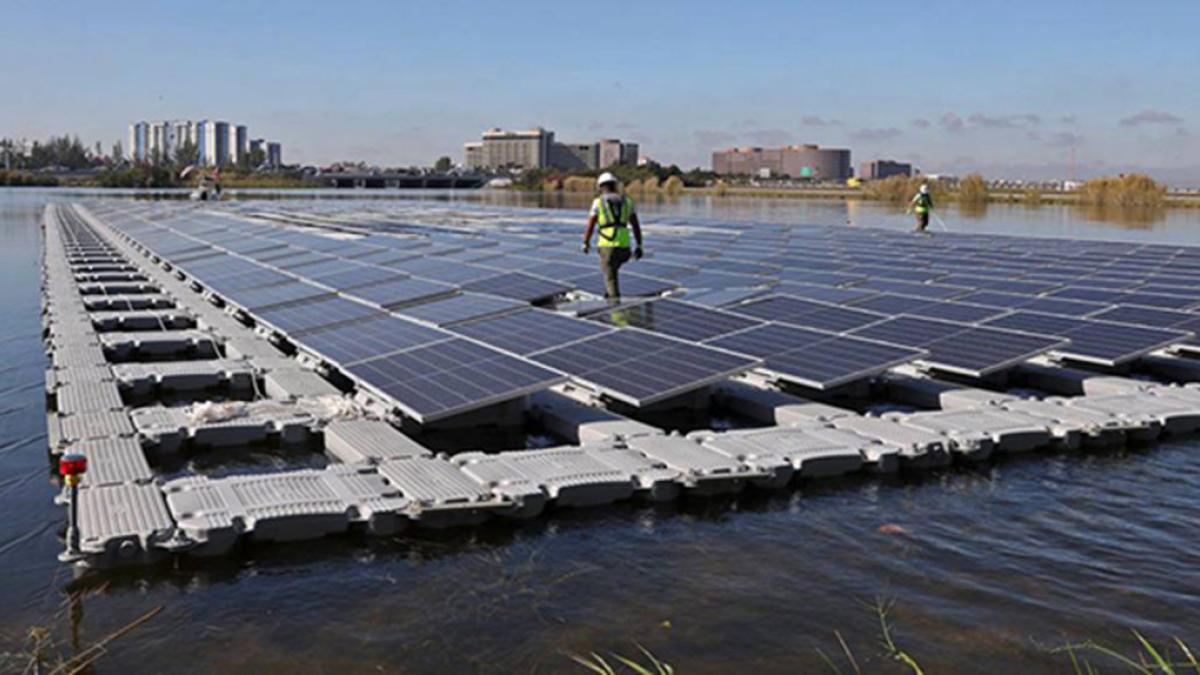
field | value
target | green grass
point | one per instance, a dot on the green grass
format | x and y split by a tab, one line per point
601	666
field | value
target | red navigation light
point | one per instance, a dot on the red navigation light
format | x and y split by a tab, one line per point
72	464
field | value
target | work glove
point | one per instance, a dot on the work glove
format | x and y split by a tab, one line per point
586	247
637	253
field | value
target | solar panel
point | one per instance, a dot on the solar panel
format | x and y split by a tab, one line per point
822	293
958	348
458	308
402	292
677	319
295	319
932	291
518	286
529	331
807	313
813	358
631	285
358	275
1099	342
451	377
560	271
346	345
296	263
723	297
446	271
805	276
709	279
254	299
251	279
641	368
1145	316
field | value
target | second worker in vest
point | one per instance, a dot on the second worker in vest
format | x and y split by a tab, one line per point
922	204
612	216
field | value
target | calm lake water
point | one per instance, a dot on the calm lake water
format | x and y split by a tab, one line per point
993	566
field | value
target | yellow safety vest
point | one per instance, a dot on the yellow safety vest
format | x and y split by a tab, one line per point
613	231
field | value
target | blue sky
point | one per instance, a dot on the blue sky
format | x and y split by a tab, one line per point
1002	87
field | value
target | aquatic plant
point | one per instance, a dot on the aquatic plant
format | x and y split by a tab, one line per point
599	665
1149	660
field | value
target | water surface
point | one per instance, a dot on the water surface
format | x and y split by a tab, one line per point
988	567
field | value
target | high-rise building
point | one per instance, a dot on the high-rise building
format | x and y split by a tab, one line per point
239	144
537	149
138	141
274	155
795	161
215	150
878	169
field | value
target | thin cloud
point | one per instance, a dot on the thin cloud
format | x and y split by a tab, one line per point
815	121
1064	139
1004	121
713	138
876	134
1068	119
624	126
1150	116
951	122
920	123
770	136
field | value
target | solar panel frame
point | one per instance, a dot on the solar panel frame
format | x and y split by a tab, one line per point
458	308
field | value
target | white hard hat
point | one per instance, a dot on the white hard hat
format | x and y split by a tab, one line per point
925	189
606	177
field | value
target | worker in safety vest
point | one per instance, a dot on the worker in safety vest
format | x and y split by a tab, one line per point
612	216
922	204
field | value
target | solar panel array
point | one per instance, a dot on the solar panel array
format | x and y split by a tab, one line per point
819	306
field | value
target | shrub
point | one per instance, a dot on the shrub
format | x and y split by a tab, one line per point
1133	189
673	185
973	189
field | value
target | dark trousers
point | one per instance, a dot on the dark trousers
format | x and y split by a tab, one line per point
922	221
611	259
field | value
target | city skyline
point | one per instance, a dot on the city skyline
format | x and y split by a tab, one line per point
950	88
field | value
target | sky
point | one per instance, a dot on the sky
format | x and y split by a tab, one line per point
1010	89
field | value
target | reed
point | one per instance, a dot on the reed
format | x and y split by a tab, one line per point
1132	189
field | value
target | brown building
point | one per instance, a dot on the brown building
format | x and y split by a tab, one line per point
795	161
538	149
878	169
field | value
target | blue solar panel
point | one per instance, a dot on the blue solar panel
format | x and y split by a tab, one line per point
348	344
451	377
464	307
295	319
518	286
677	319
355	276
402	292
958	348
529	331
1100	342
813	358
807	313
641	368
264	297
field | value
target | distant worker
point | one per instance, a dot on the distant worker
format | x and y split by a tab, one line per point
922	204
614	214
